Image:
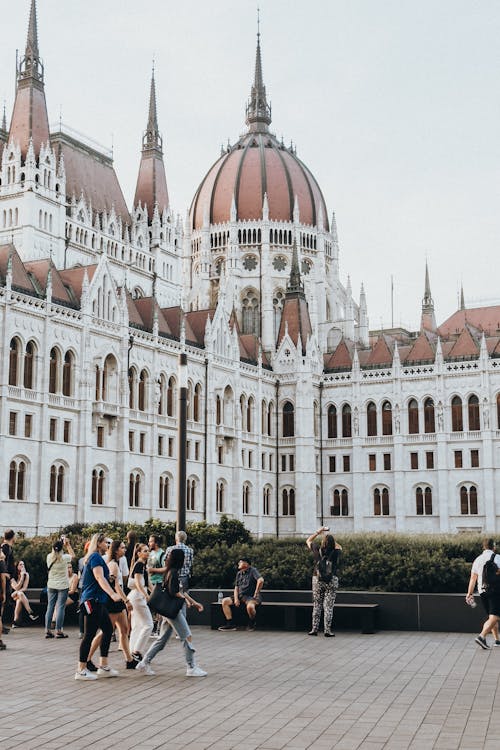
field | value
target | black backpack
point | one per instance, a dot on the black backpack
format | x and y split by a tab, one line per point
491	581
325	568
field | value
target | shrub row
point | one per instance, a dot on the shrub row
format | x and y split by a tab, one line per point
379	562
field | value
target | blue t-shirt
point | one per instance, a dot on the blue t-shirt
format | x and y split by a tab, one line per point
90	586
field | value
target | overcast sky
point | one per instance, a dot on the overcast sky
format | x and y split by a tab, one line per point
394	106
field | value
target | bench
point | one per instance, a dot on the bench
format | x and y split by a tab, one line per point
297	615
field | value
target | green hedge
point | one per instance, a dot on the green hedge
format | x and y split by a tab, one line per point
377	562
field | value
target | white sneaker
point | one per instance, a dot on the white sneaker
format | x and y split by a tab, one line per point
84	674
144	668
107	672
195	672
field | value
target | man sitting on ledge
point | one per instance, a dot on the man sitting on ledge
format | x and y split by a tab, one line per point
246	591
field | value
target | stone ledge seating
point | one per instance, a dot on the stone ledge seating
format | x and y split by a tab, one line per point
297	615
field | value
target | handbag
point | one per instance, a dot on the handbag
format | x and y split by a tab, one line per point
161	601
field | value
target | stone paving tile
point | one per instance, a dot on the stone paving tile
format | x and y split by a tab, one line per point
264	691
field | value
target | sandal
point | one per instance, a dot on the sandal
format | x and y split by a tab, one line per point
49	634
61	635
2	646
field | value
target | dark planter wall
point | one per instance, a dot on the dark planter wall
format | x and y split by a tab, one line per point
426	612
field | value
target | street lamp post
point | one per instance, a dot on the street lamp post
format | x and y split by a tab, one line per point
181	437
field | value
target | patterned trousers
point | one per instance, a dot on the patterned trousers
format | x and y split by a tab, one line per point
324	595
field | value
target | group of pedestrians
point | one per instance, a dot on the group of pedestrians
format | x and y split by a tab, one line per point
116	578
105	601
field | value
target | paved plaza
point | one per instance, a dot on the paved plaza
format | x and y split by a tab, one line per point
265	690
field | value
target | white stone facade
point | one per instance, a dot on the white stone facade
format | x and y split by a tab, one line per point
88	396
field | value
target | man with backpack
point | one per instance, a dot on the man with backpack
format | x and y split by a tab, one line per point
485	572
325	581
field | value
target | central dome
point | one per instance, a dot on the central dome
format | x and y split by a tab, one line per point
257	165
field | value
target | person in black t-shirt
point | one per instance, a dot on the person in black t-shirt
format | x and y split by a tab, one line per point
3	595
141	619
7	607
247	588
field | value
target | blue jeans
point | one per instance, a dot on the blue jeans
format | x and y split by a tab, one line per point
182	629
53	596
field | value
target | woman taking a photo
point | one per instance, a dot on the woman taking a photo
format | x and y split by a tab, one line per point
57	585
325	580
117	610
19	596
141	619
174	563
95	593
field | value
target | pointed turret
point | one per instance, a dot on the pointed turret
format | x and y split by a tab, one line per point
295	315
462	298
258	111
4	119
151	186
295	285
428	319
29	116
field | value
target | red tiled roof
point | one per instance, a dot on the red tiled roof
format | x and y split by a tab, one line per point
146	307
40	270
197	320
73	277
341	357
20	278
151	183
29	116
92	174
421	350
380	354
483	318
295	316
464	346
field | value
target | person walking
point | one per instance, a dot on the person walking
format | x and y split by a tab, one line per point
171	581
117	610
95	592
141	619
325	580
155	564
185	572
489	595
3	595
57	585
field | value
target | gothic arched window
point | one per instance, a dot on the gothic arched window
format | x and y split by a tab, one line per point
332	421
371	419
288	420
473	413
413	426
29	362
429	420
457	422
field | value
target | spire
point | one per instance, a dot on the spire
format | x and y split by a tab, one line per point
295	286
151	188
428	319
31	65
152	137
427	301
4	118
462	298
258	111
29	116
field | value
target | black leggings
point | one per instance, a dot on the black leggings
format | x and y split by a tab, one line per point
99	618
